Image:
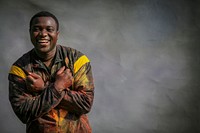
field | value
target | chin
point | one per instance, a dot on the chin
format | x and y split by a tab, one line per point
43	50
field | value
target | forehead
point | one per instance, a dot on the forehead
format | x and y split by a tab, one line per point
44	21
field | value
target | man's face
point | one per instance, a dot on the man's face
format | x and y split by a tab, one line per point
44	34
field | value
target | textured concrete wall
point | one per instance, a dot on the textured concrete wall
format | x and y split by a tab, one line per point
145	56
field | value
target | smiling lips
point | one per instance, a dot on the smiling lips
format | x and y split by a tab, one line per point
43	42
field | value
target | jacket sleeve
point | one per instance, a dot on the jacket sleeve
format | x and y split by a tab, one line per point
26	106
79	100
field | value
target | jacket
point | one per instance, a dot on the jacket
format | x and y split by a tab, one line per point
50	111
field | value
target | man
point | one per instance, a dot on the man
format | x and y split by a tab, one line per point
51	87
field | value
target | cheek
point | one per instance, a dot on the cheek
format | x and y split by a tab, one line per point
54	37
34	35
33	38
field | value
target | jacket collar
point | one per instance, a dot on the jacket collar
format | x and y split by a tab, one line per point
38	63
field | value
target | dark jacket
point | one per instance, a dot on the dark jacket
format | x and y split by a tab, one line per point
50	111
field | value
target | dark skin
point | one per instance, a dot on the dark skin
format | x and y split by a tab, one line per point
44	36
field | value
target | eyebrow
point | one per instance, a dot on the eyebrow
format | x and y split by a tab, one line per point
41	26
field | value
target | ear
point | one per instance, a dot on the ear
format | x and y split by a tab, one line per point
58	33
30	33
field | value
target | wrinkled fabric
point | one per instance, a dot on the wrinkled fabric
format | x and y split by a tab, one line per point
50	111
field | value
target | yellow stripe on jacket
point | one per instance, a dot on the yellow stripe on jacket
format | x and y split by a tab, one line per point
80	62
17	71
77	65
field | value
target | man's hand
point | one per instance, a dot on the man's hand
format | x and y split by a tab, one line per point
34	82
64	79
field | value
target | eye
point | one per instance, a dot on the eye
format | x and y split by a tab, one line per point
50	29
35	29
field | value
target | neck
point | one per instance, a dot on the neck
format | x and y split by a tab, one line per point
46	56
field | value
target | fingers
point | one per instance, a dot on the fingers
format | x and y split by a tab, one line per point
67	71
30	79
34	75
69	74
34	82
61	70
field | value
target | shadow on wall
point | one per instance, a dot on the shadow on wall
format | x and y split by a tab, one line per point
194	50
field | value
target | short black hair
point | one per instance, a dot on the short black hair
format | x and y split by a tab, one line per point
44	14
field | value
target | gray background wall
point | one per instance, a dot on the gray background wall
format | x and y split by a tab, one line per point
145	56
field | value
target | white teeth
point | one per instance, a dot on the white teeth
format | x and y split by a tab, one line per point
43	41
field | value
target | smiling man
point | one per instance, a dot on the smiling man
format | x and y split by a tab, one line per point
51	87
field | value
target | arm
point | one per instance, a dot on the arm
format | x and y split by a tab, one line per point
80	99
26	106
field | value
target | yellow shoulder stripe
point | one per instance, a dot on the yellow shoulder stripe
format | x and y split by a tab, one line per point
80	62
17	71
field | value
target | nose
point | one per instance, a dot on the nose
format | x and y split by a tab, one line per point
43	33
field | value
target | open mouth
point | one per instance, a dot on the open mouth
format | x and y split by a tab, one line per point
43	42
